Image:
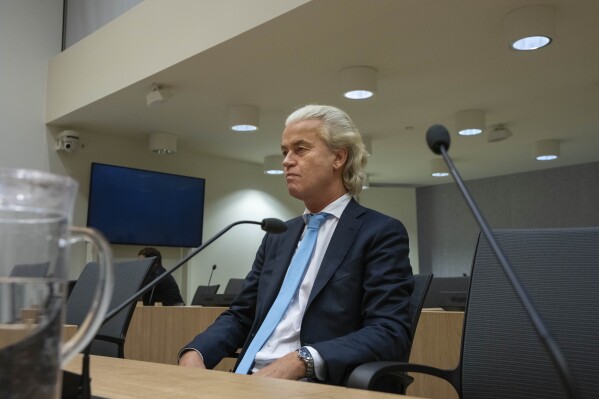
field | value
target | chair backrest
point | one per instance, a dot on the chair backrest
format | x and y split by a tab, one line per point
362	378
422	283
502	355
203	290
128	279
30	270
234	286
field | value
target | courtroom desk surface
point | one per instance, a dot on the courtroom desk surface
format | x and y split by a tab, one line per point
130	379
156	334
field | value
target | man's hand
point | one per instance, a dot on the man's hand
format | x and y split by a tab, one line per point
192	358
289	367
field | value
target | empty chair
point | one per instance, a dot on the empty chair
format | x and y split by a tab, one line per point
502	355
361	377
30	270
234	286
128	279
204	290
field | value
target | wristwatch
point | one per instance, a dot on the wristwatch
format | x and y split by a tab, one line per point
304	354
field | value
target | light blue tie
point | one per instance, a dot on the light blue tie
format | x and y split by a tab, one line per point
294	276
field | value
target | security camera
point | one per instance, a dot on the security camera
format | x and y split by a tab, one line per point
68	141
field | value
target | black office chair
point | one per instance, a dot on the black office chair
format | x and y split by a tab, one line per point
128	279
203	290
30	270
398	382
502	355
234	286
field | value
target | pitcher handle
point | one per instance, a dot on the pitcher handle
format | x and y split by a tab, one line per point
102	297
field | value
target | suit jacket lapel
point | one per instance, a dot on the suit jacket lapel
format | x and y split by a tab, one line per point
340	244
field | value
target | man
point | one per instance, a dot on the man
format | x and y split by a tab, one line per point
165	292
352	304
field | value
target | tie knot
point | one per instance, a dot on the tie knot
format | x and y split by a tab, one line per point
315	220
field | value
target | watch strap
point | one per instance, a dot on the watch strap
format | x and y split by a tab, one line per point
304	354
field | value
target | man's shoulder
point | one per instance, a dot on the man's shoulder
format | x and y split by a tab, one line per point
371	216
355	209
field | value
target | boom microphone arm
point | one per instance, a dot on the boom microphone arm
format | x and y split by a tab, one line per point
78	386
270	225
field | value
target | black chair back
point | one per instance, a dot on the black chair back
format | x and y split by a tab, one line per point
502	354
422	283
128	279
30	270
204	290
234	286
362	376
559	269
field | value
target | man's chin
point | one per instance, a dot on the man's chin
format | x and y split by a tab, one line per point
294	192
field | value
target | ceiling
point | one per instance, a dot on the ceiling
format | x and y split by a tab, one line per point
434	58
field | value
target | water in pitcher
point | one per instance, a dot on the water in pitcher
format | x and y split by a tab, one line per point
32	291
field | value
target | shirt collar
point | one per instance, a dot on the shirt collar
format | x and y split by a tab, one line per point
335	208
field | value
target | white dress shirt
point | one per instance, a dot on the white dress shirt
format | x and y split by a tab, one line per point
286	336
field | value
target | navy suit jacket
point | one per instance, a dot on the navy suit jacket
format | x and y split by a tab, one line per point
357	310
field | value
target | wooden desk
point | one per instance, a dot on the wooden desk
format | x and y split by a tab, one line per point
130	379
156	334
11	333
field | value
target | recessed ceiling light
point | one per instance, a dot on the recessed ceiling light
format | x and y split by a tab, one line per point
470	122
439	168
530	28
358	83
546	150
244	118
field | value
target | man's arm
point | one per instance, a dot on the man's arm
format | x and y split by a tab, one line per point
192	358
230	330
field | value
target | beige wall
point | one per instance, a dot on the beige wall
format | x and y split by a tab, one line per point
401	204
30	34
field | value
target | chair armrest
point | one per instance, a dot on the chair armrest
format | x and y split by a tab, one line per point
369	375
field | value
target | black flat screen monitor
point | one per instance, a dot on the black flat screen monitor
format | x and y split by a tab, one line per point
142	207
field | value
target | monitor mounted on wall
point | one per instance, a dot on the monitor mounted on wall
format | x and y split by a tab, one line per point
143	207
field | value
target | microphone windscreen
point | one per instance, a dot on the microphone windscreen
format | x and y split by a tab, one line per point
437	136
274	226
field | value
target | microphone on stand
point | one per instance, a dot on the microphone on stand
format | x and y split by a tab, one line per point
270	225
78	386
437	138
213	269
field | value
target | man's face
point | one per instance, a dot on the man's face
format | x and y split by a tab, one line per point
311	168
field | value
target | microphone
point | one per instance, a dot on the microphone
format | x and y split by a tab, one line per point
213	269
270	225
437	138
78	386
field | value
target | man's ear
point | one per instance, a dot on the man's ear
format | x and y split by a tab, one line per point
340	158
